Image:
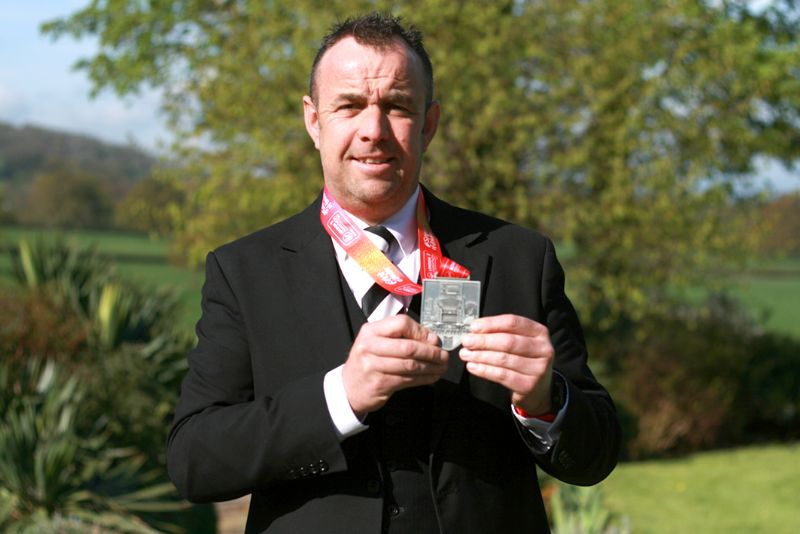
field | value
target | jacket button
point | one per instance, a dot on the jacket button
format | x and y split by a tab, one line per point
373	487
394	510
323	466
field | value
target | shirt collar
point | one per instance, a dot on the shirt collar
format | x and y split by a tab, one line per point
402	225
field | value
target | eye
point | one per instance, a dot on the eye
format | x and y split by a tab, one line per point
399	109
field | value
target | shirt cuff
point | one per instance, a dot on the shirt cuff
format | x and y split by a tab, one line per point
344	420
545	434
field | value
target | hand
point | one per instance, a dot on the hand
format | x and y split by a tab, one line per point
514	352
387	356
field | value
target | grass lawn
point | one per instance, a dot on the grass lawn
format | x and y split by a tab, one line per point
773	300
108	242
753	490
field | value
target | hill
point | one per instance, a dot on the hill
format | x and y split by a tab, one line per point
28	151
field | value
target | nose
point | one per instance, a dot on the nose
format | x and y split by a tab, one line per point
373	125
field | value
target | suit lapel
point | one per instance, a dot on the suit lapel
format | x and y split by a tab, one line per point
312	274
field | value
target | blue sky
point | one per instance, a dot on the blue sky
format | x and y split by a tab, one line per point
38	86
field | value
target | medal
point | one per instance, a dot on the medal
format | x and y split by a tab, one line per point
449	305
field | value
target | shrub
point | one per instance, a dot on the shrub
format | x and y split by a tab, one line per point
113	310
56	463
86	452
31	324
703	377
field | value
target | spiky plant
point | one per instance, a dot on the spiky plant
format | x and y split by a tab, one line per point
57	466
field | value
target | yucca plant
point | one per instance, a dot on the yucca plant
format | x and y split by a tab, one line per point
114	310
57	466
580	510
65	272
122	312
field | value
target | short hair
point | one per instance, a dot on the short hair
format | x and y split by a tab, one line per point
379	31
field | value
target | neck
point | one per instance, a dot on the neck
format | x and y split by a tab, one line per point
374	215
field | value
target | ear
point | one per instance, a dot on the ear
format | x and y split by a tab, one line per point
431	123
311	119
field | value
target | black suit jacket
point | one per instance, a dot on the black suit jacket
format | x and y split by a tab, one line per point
252	416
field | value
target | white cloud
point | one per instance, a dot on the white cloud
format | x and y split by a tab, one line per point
38	85
12	104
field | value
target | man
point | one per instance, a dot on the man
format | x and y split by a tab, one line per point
339	418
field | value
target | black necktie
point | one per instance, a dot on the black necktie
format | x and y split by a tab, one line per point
375	295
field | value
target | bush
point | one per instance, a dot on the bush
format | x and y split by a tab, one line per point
79	280
703	377
56	460
32	324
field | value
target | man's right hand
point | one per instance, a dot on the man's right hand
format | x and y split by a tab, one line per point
389	355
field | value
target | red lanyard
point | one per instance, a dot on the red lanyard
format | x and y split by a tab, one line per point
386	274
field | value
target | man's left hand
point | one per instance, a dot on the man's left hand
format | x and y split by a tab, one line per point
514	352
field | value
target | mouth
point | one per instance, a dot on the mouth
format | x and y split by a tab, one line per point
374	165
374	160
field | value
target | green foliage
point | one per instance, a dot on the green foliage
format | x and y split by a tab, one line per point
56	463
26	151
622	128
6	217
33	325
41	262
150	206
782	218
137	259
113	310
702	378
32	162
66	198
82	434
581	510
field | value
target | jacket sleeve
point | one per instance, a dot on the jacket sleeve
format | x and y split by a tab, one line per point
588	447
226	442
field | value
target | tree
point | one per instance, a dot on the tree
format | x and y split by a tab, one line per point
148	206
782	218
66	198
623	128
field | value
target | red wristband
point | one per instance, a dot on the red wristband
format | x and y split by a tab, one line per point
547	417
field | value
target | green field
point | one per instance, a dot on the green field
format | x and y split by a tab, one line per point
752	490
773	299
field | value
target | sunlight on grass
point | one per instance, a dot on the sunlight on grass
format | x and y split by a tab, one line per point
753	489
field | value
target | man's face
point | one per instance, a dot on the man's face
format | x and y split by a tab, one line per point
370	125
